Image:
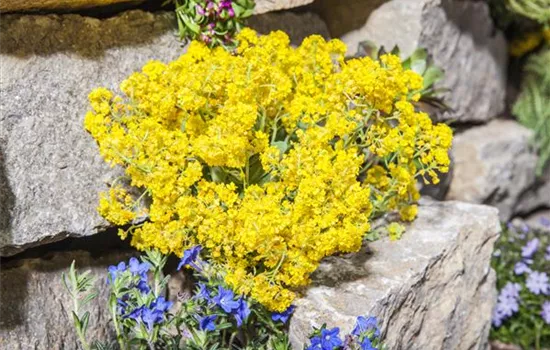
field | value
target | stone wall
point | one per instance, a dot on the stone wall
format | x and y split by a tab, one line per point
433	289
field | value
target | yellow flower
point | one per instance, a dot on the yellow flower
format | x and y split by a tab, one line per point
271	158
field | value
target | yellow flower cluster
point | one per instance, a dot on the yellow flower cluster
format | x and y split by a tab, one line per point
271	158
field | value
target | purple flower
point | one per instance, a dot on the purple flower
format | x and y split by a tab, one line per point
367	345
283	316
510	290
364	325
242	312
161	304
225	300
200	10
547	256
207	323
520	268
537	283
544	222
545	313
190	256
231	12
136	313
114	271
530	248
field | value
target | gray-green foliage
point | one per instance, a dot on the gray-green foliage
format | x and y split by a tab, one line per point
533	105
537	10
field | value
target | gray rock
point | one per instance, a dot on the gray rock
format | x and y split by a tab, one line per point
433	289
263	6
537	196
343	16
463	41
297	26
50	168
36	308
539	219
493	165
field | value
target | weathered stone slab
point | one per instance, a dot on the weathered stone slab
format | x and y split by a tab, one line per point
36	308
263	6
463	41
51	170
297	26
537	196
433	289
34	5
493	164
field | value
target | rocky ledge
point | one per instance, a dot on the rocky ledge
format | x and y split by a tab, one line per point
433	289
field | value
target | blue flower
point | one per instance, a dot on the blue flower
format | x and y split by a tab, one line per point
150	317
225	300
242	312
537	283
530	248
161	304
143	287
315	344
189	257
114	271
121	306
135	314
137	268
329	339
364	325
547	255
510	290
545	313
203	292
367	345
283	316
207	323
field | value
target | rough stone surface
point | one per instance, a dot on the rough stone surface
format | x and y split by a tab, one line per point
537	196
297	26
493	164
433	289
36	309
461	38
33	5
263	6
51	171
343	16
539	219
50	168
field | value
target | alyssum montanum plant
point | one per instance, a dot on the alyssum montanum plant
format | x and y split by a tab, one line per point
271	158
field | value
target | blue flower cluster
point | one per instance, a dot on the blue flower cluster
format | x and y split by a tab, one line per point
364	336
214	302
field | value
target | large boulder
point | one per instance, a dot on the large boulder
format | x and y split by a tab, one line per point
65	5
537	196
50	168
493	164
463	41
263	6
36	308
433	289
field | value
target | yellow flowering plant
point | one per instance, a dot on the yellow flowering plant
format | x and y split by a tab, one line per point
271	158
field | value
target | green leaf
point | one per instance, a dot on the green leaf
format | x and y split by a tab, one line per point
192	26
431	76
419	66
281	145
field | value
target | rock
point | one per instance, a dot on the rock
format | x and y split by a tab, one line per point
36	308
343	16
433	289
263	6
493	165
539	219
463	41
297	26
35	5
537	196
50	168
